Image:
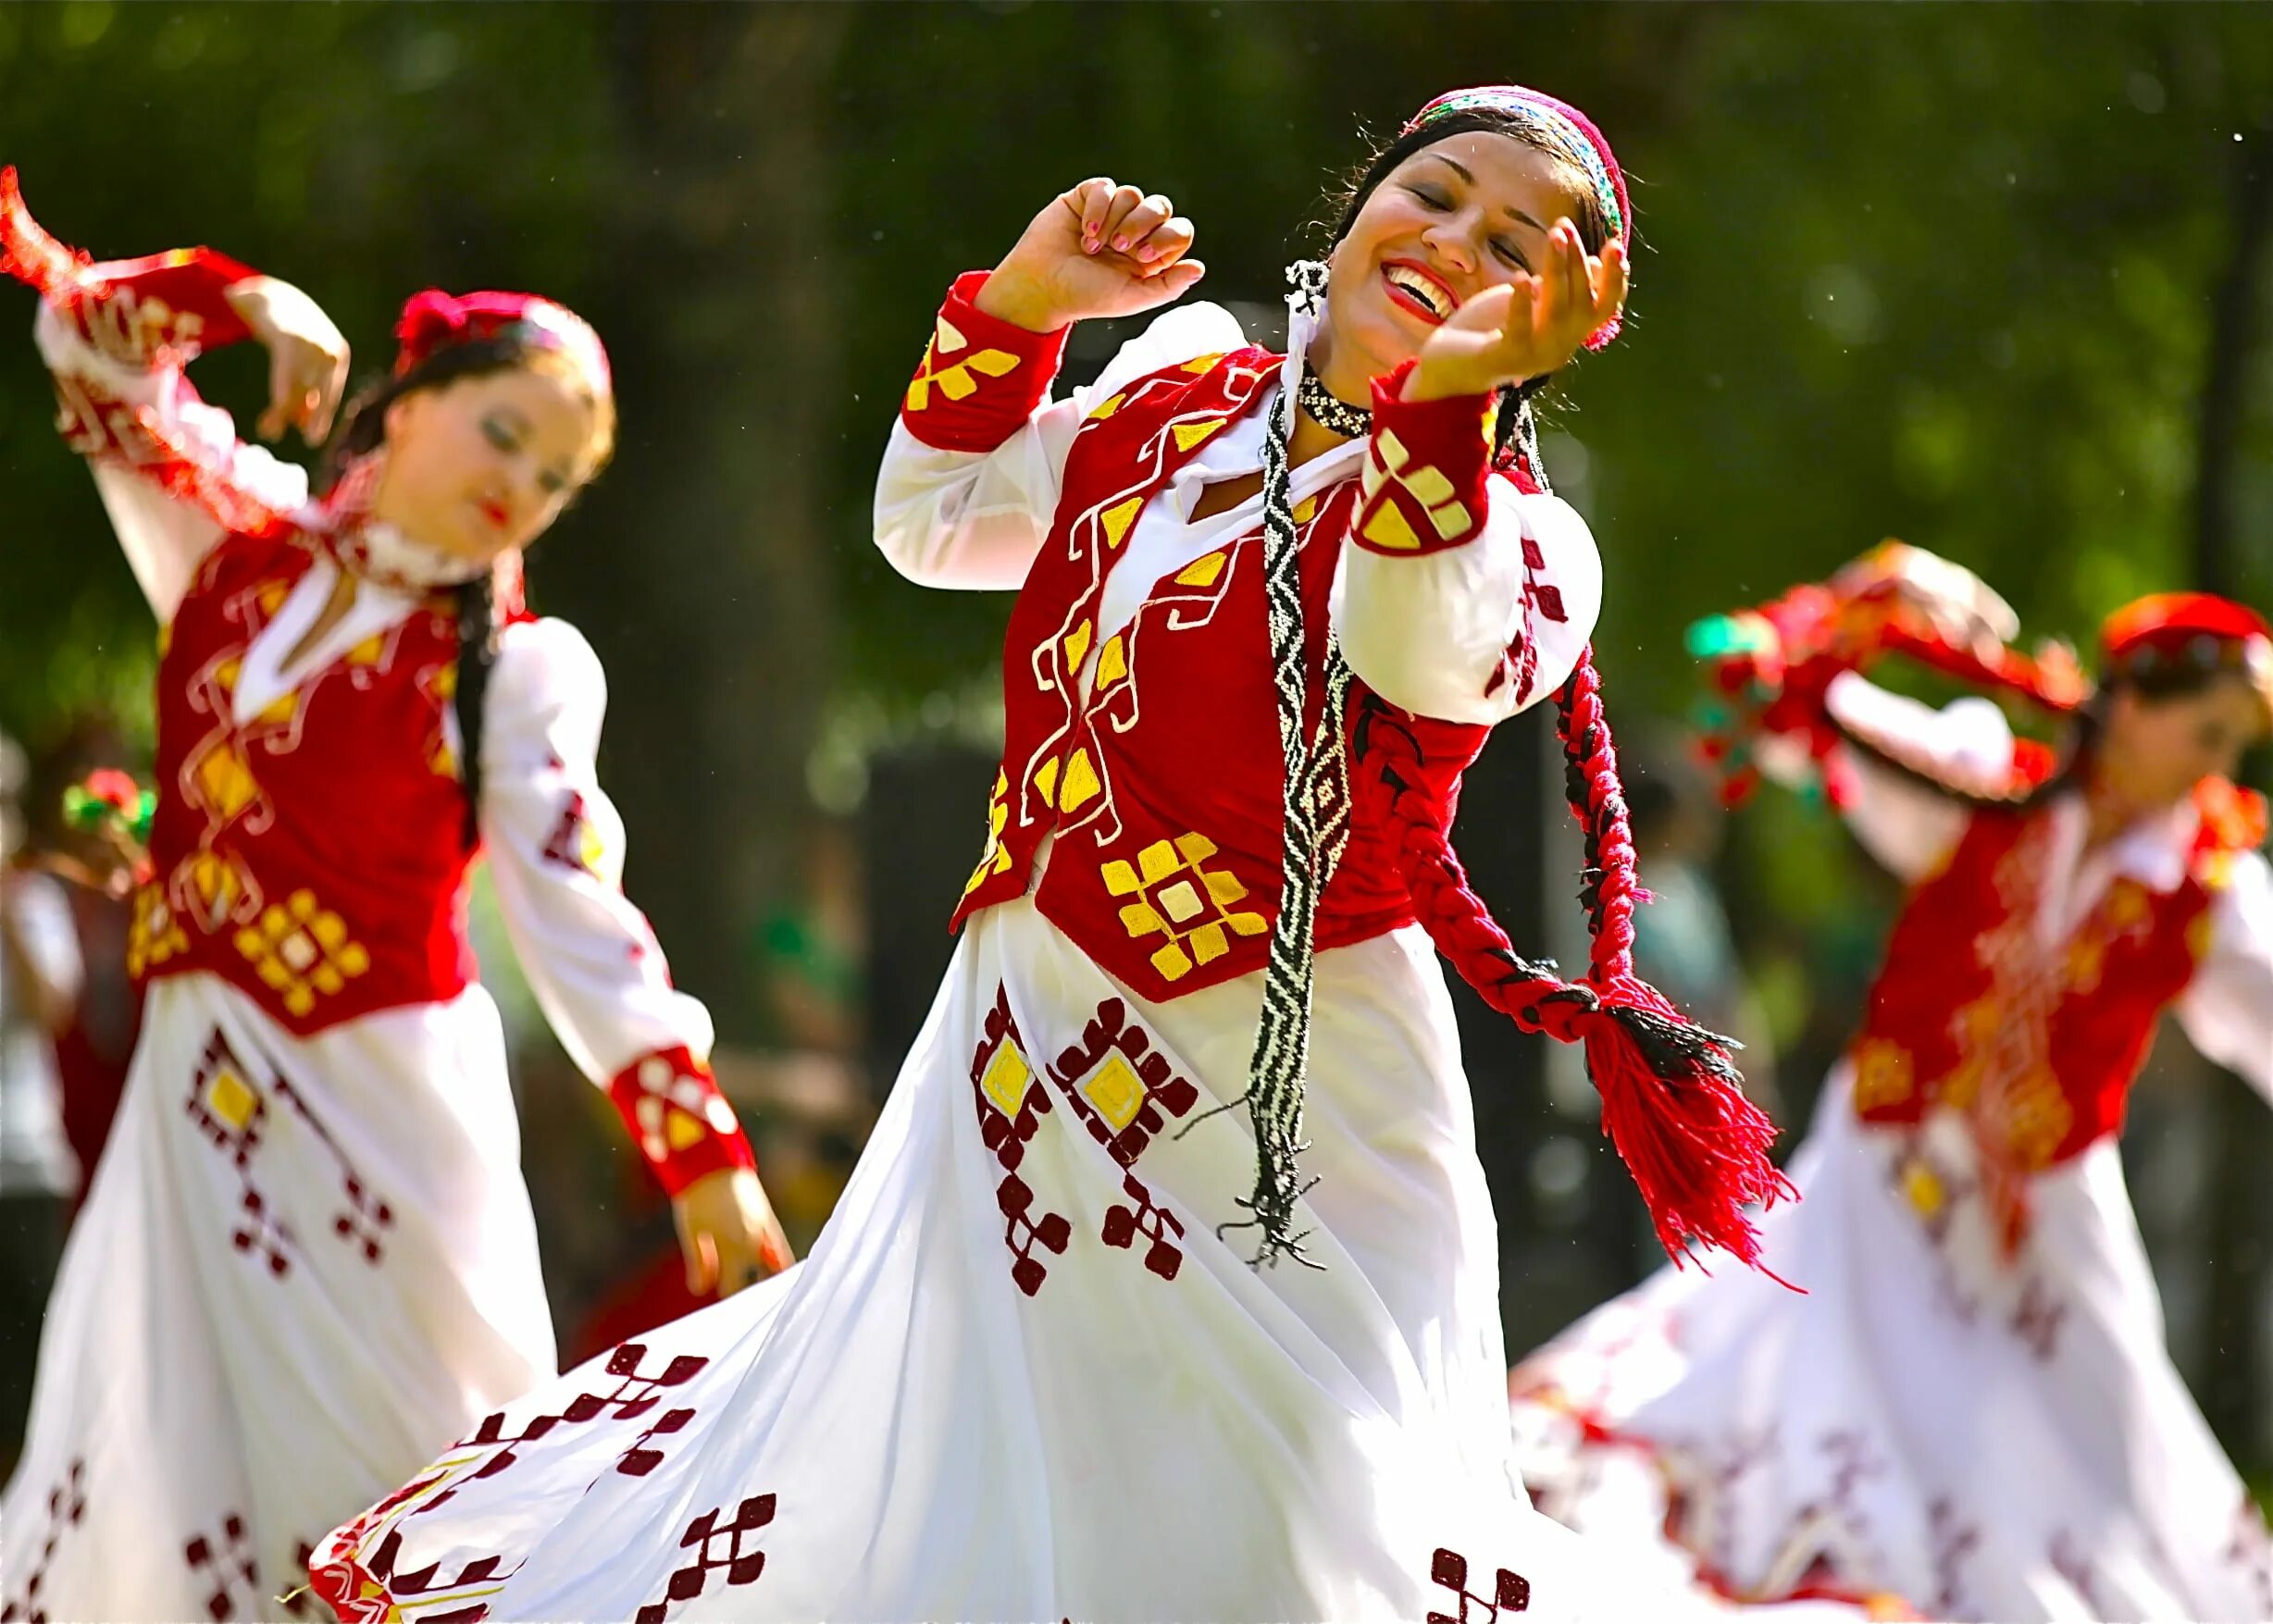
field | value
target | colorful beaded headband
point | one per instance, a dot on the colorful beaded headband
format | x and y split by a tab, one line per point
1567	129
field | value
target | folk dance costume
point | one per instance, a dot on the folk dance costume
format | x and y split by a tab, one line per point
1031	1369
1972	1406
308	1259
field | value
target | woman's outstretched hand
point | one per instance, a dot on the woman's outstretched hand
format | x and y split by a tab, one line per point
728	1233
1097	250
1525	329
307	357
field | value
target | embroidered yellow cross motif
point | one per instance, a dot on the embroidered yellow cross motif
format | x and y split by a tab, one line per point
953	379
300	949
1390	461
1174	894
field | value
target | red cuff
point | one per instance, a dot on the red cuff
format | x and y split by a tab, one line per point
179	295
981	378
677	1118
1427	471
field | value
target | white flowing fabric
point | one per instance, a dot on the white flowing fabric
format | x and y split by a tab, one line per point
1020	1378
303	1264
1985	1439
897	1430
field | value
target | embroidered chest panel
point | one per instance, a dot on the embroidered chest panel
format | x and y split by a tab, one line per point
2040	1041
313	854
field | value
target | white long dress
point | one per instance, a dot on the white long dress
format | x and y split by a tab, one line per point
1986	1440
306	1262
1080	1401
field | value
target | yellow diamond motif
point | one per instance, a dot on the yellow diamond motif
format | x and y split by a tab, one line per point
230	1098
1117	1093
1387	529
1080	782
1180	902
225	781
1111	405
1191	434
679	1130
1046	781
1005	1079
1111	663
1203	571
1077	645
1118	518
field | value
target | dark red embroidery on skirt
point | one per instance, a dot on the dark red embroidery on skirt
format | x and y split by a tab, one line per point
2251	1550
363	1222
2037	1318
227	1567
1118	1085
1010	1101
231	1108
2069	1562
635	1394
1952	1543
1148	1219
704	1533
67	1508
1510	1591
424	1582
302	1601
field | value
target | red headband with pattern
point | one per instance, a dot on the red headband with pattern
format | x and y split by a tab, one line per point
1571	134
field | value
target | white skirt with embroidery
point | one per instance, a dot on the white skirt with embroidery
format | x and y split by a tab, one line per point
1021	1377
303	1266
1986	1440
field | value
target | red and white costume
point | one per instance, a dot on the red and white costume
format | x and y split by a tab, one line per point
1022	1375
308	1259
1971	1406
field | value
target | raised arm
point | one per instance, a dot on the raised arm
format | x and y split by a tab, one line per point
1797	705
555	847
969	483
116	337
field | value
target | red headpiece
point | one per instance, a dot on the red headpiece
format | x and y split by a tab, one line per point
2192	629
435	320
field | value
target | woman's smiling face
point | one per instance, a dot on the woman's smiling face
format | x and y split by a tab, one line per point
1464	213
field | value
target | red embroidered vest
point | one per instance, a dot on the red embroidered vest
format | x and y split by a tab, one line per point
1971	1010
1163	792
316	857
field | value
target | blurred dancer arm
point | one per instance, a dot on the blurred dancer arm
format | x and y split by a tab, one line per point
2227	1008
117	337
555	846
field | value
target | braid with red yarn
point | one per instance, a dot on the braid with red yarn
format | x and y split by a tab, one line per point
1672	1101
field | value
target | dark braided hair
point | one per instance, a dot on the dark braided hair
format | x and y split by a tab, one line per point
1670	1095
363	430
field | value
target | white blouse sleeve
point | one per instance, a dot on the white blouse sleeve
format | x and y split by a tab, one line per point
974	520
1908	827
555	846
1440	633
163	534
2227	1008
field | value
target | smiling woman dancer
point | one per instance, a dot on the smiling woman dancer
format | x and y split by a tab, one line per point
1032	1369
308	1259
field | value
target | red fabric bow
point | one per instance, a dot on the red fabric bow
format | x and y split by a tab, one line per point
435	320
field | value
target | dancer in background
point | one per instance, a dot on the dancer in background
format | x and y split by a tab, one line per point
1972	1406
1268	610
307	1260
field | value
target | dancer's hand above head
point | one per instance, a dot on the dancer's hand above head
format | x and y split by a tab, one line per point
1097	250
1957	606
729	1234
1524	329
307	357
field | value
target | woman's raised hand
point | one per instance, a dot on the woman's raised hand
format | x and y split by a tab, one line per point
1524	329
307	357
1097	250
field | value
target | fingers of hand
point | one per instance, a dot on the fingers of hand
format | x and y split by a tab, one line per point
1151	212
1162	246
1124	202
1177	280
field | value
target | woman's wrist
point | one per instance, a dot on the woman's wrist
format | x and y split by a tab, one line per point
1011	296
